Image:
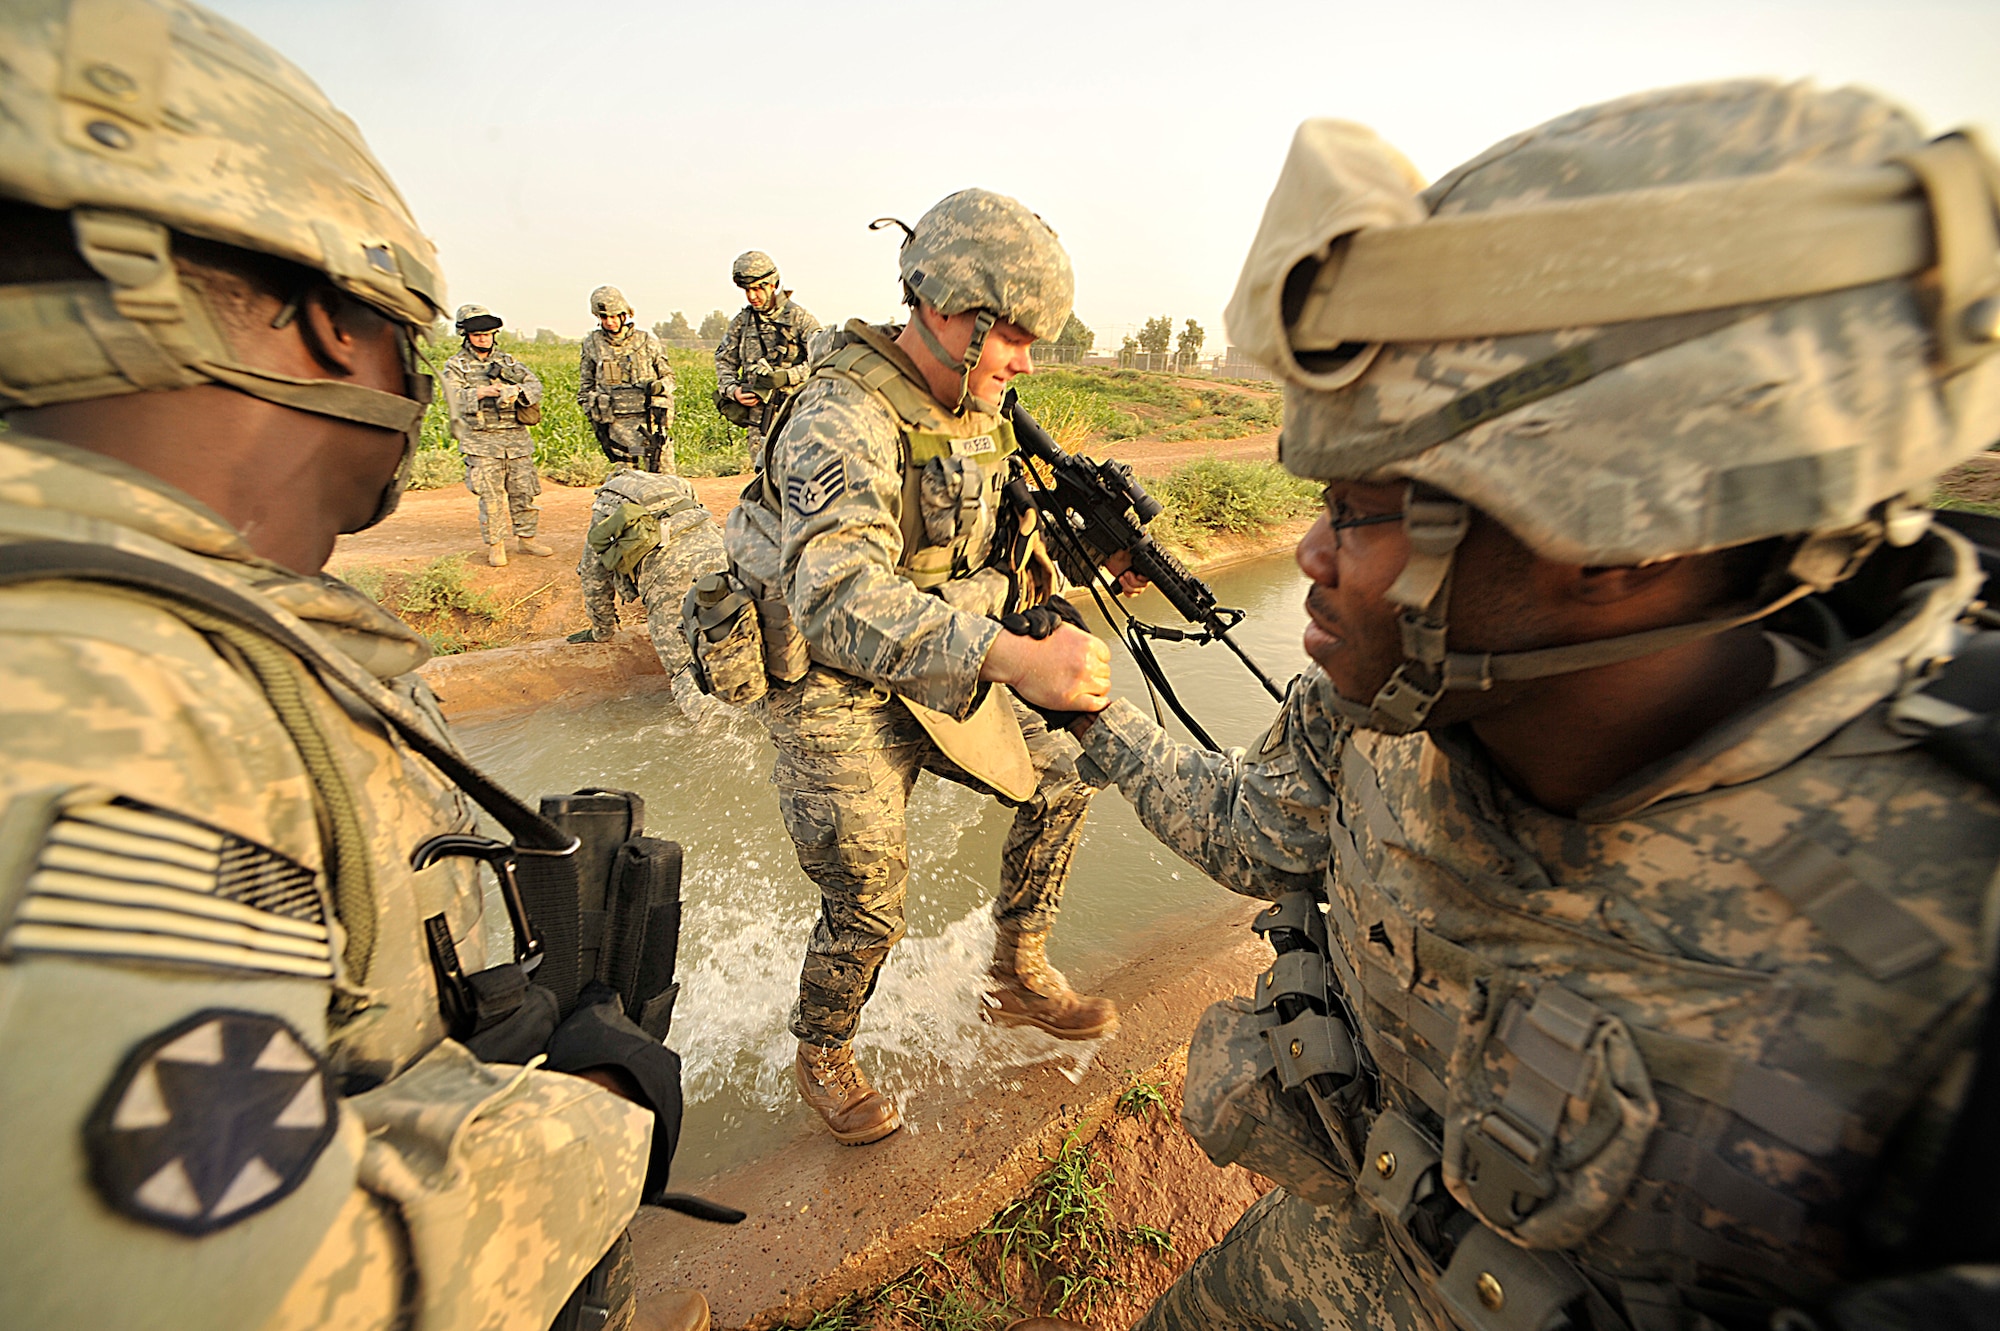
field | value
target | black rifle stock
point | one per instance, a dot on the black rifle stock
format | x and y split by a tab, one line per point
1101	506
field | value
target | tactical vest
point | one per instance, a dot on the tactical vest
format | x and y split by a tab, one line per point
620	377
1546	1107
954	470
487	413
777	340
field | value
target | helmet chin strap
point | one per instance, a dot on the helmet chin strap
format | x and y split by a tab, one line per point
982	324
1437	524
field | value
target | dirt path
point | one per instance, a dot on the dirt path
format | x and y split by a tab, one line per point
541	595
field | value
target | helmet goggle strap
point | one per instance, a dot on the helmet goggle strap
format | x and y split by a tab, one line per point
146	329
982	324
1436	525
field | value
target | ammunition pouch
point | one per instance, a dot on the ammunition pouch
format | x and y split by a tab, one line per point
623	538
736	413
526	412
1238	1114
1310	1028
719	620
626	400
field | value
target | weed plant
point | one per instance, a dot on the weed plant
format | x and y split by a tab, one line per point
437	600
1055	1250
1220	496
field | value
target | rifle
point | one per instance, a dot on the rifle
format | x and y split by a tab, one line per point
1093	510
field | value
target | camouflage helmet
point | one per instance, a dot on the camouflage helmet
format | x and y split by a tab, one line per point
143	119
1675	323
610	300
476	319
753	267
981	251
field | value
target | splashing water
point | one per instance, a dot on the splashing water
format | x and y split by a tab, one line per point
749	909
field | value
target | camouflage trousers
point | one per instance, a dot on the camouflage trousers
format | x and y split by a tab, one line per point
1288	1265
662	582
848	756
634	441
506	488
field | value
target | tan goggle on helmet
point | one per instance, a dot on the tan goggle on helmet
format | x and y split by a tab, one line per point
977	250
753	268
1676	323
143	119
610	300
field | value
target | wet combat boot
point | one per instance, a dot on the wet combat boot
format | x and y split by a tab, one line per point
496	554
1030	992
674	1310
530	546
855	1112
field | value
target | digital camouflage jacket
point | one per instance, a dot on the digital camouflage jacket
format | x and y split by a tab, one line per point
231	1100
1692	1042
488	427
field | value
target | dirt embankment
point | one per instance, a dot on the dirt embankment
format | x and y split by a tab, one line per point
832	1224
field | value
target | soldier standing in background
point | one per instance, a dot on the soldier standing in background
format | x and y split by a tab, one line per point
649	539
1631	839
880	535
231	1098
761	361
487	391
625	386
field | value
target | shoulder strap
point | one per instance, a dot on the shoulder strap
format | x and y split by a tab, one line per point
75	561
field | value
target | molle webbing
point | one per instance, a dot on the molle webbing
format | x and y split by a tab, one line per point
927	432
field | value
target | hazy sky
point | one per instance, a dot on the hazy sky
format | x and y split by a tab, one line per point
551	147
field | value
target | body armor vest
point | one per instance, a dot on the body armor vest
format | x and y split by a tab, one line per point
1657	1057
621	375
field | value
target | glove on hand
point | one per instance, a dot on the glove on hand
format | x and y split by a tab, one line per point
598	1035
1038	622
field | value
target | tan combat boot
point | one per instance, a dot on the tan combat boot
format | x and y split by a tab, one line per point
1030	992
534	547
496	554
855	1112
674	1310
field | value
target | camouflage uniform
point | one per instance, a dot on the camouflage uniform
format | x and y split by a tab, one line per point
688	545
778	338
1668	909
499	451
630	425
1690	1055
488	1190
848	751
230	1101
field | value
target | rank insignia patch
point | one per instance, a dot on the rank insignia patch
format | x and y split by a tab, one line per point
209	1121
808	495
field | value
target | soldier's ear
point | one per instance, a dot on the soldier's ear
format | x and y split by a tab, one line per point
343	335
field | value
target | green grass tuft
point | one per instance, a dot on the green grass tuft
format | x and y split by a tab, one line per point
444	585
1141	1098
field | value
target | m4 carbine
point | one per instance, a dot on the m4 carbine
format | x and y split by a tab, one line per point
1093	510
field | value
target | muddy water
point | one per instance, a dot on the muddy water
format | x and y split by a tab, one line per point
750	909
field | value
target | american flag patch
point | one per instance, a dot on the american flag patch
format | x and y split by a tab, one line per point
120	879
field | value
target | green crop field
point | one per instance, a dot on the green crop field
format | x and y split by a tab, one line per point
565	446
1077	406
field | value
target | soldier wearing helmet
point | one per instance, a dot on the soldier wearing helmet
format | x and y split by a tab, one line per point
626	387
878	552
232	1098
1632	898
761	361
488	391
